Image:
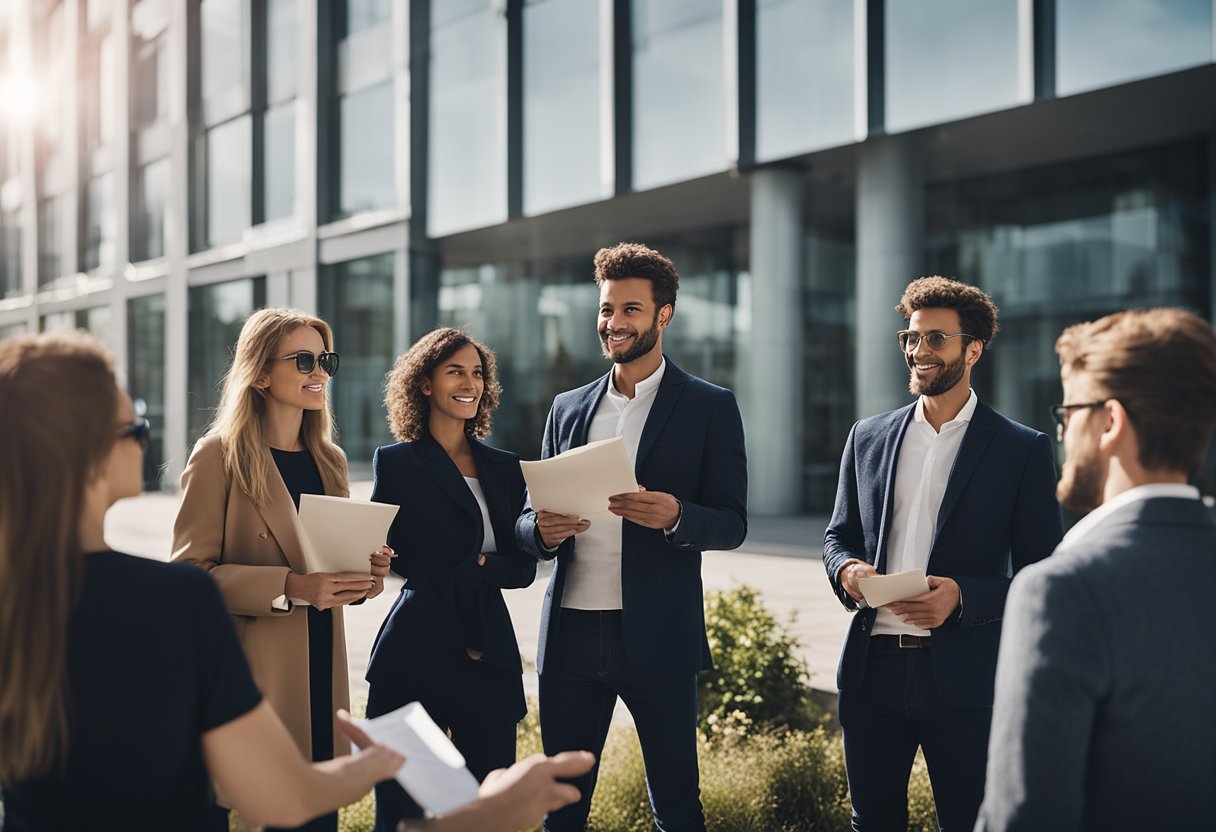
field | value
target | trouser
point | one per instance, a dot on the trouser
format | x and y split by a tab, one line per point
896	710
585	670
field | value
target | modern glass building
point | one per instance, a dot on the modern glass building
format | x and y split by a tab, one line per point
168	166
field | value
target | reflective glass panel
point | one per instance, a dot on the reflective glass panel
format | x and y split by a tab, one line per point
52	231
364	14
468	129
216	314
151	201
225	33
101	228
281	50
367	175
804	76
948	59
280	160
150	70
356	298
146	375
562	126
10	254
679	109
1103	42
228	162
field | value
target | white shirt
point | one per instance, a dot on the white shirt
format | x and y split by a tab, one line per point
922	472
1091	521
593	581
488	544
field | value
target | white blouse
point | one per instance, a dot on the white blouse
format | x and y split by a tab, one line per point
488	546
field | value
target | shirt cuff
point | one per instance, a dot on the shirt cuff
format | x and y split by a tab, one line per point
281	603
679	517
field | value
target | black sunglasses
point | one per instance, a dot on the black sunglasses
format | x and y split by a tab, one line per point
140	430
305	361
1061	412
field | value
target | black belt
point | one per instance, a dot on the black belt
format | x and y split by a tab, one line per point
904	641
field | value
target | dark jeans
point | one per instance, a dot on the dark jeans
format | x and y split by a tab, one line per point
896	710
586	669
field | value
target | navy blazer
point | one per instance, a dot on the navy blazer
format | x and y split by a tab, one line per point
998	514
448	599
692	448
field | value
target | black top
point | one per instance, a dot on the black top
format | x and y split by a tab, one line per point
299	473
153	664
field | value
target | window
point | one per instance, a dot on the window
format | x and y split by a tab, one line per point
216	314
228	162
101	227
150	200
146	375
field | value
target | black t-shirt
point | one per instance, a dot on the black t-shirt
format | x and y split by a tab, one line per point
153	664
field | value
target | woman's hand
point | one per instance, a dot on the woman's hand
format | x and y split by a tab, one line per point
381	565
325	590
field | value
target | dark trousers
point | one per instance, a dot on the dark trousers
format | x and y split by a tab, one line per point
486	740
896	710
585	671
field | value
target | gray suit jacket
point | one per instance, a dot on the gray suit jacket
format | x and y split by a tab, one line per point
1105	713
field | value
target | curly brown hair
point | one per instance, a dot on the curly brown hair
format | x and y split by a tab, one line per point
976	311
408	409
625	260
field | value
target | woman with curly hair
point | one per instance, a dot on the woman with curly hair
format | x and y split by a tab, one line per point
448	641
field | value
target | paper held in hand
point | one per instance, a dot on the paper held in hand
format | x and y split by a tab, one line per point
338	534
434	773
884	589
580	481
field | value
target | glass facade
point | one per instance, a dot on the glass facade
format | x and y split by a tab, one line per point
228	162
101	227
279	161
225	59
10	254
468	119
679	91
563	128
1069	243
948	59
804	76
53	222
216	312
149	200
356	299
146	375
150	90
367	150
1104	42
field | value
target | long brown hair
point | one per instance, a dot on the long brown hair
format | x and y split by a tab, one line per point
57	426
239	420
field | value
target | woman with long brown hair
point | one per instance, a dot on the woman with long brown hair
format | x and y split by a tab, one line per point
122	686
272	440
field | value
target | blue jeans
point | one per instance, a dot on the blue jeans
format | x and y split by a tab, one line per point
586	669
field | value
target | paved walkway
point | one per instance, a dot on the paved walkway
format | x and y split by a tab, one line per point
781	559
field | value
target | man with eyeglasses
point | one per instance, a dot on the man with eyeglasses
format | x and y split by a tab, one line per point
1104	713
948	486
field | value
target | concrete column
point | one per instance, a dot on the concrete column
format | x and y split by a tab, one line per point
890	241
772	407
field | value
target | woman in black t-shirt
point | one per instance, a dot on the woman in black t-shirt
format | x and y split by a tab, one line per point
122	686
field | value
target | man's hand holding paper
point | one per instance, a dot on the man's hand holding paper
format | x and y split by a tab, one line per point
929	609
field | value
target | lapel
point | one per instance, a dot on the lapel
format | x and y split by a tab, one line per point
584	410
670	389
283	520
492	487
434	460
895	441
975	442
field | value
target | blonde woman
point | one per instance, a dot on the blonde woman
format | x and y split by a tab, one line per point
122	686
272	440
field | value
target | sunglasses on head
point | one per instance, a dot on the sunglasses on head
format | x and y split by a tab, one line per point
139	430
306	361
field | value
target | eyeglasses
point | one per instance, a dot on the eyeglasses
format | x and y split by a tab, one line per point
909	339
139	430
305	361
1061	412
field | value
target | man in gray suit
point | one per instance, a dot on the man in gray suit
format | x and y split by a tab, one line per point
1105	716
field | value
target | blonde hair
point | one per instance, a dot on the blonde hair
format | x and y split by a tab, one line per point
57	427
238	421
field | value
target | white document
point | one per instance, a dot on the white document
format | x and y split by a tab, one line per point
434	773
339	534
883	589
580	481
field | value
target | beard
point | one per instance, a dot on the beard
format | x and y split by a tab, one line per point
950	374
1082	481
642	344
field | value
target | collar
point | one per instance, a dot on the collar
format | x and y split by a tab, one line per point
1091	521
963	417
644	389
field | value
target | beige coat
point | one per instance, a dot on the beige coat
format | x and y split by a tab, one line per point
249	552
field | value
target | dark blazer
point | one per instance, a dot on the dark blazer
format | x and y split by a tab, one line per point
999	513
449	602
692	448
1103	715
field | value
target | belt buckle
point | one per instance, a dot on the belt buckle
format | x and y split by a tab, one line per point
912	643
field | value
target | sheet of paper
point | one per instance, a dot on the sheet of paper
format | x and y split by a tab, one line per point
338	534
581	480
883	589
434	773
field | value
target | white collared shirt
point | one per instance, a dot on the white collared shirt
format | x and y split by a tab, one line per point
488	544
593	579
1095	518
922	472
